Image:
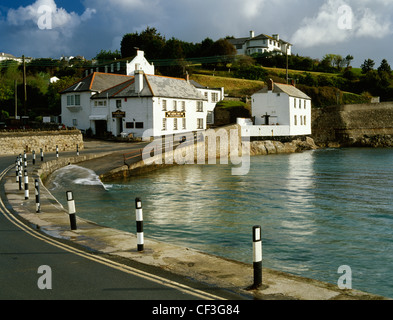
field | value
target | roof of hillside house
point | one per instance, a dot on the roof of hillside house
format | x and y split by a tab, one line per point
290	90
258	37
153	86
97	82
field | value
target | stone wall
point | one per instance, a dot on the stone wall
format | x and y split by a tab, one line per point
354	125
13	143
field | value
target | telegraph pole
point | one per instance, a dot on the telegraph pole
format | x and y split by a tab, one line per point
16	99
25	86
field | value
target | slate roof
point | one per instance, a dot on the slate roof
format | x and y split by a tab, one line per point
97	82
153	86
290	90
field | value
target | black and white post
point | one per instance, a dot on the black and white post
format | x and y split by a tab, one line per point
37	196
139	224
257	256
17	169
71	209
77	149
57	152
33	157
26	185
42	155
20	176
25	159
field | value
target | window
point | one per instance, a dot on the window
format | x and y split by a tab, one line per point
100	103
139	125
175	124
206	95
163	105
199	106
305	122
77	100
118	104
183	106
118	66
174	105
130	125
209	118
294	102
74	122
199	123
74	100
163	124
183	123
295	120
214	97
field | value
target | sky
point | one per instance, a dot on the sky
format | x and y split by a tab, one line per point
55	28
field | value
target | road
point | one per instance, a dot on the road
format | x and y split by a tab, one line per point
34	266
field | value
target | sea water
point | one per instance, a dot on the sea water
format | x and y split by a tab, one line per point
318	210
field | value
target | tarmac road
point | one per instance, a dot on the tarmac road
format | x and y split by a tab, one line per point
33	266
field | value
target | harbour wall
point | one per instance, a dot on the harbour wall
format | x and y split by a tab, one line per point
16	142
357	125
221	145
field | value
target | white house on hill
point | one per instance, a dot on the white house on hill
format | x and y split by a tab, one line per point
279	110
261	44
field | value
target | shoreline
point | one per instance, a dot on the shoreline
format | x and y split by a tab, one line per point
216	271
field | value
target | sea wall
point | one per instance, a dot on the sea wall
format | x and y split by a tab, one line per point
369	125
13	143
222	145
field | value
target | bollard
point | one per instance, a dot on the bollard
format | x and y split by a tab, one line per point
139	224
33	157
77	150
71	209
42	155
37	196
17	169
26	185
257	256
57	152
25	159
20	177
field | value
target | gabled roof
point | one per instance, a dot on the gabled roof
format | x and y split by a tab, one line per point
96	82
290	90
153	86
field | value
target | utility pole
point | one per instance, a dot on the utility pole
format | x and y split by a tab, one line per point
286	50
24	86
16	99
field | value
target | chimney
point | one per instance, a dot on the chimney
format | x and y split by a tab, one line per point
187	76
252	34
270	85
138	81
293	82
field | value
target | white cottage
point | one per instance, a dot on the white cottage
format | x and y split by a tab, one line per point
164	105
279	110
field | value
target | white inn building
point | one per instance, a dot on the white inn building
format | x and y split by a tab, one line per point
130	105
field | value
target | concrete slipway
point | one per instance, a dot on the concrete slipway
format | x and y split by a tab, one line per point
213	270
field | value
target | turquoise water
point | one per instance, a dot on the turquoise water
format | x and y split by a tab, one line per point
318	210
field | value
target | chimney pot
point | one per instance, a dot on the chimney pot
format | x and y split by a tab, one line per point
270	85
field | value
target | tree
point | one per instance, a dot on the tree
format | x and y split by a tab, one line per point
104	55
149	40
348	60
384	67
368	65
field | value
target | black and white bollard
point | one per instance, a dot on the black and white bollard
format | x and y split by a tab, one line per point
33	157
57	152
37	196
71	209
257	256
25	159
77	150
42	155
20	177
139	224
26	185
17	169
